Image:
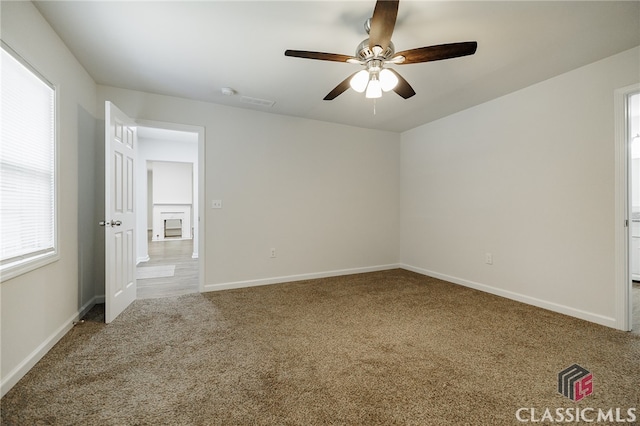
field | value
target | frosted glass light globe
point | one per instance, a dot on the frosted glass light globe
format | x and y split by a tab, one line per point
359	81
388	80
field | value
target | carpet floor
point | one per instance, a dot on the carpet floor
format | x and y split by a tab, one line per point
382	348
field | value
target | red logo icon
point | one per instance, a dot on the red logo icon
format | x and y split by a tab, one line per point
575	382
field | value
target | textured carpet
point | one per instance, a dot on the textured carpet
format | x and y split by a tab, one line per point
388	347
148	272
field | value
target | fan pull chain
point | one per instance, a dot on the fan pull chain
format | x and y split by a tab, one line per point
374	106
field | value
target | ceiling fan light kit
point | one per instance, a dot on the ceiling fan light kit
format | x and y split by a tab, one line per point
378	50
373	82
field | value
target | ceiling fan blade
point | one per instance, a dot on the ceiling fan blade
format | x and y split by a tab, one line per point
403	88
382	23
437	53
318	55
339	89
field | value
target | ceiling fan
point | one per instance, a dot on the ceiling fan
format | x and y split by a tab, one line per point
376	52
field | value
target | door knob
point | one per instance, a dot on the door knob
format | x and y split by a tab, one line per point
111	223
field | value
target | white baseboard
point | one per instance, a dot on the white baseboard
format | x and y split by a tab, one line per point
86	307
300	277
27	364
551	306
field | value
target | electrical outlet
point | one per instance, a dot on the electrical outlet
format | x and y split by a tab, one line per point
216	204
273	252
488	258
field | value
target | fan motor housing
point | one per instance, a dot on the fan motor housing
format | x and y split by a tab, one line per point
365	53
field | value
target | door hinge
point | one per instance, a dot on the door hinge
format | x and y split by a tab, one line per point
626	223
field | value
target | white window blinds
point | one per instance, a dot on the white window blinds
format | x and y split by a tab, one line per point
27	165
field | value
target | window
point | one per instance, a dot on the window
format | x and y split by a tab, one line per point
28	231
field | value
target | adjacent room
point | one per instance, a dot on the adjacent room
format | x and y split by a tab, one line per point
167	193
319	212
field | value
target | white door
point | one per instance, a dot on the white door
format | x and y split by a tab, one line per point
120	217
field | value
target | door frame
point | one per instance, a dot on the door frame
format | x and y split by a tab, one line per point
200	214
622	223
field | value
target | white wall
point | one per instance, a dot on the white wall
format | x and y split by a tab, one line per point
528	177
38	307
172	182
325	196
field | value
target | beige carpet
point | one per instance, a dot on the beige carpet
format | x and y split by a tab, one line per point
391	347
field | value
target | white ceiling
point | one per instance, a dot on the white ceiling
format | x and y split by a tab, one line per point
193	49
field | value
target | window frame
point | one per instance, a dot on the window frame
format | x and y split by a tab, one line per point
38	259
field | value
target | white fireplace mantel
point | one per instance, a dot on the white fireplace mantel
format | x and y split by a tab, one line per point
162	212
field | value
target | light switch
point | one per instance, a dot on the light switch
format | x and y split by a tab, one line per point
216	204
488	258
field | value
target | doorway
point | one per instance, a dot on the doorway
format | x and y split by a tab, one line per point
168	201
633	140
625	131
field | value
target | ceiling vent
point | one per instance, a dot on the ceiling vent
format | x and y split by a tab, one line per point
258	102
